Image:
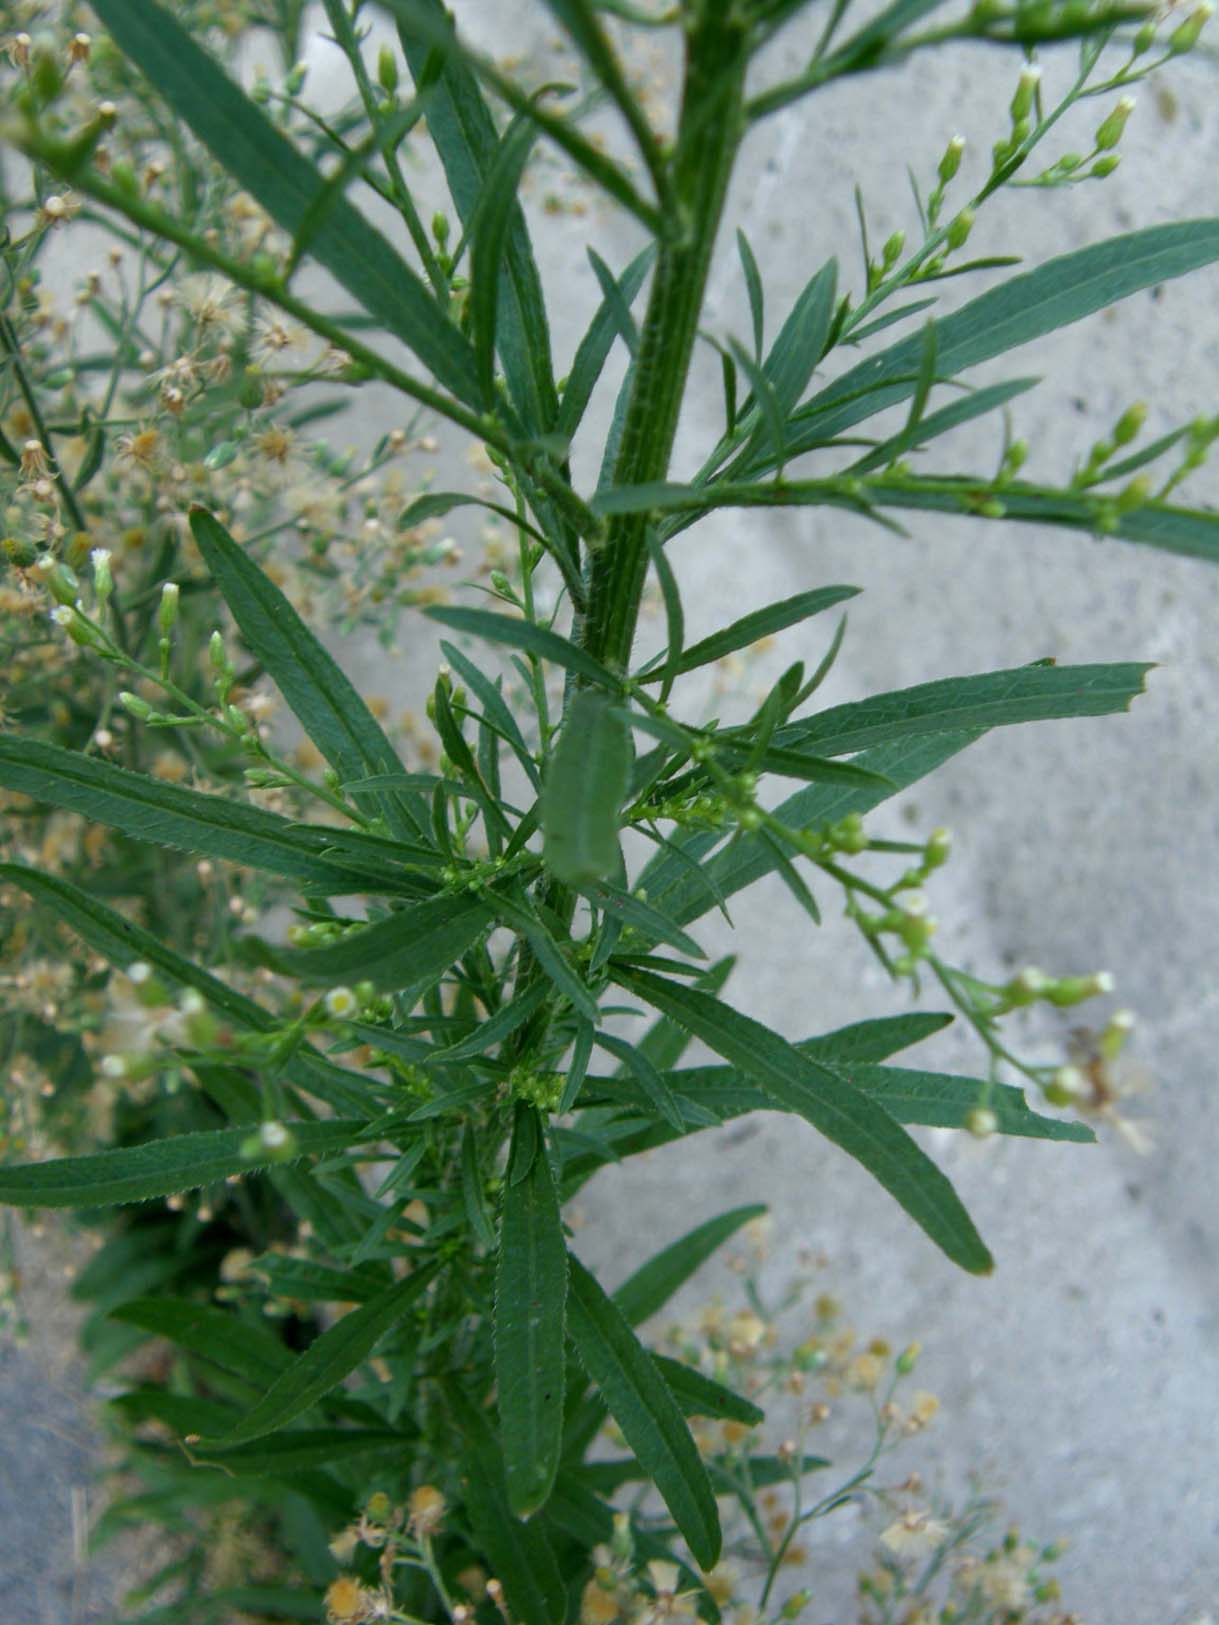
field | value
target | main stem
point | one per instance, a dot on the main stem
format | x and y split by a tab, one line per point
709	134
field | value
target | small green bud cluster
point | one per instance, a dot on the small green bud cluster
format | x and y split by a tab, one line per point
351	1003
541	1089
1123	432
1186	35
1032	985
318	933
909	920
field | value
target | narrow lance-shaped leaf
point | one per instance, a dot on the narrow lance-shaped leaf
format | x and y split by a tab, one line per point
467	142
584	791
643	1407
760	623
328	1360
414	945
700	1395
530	1294
834	1107
1026	307
497	206
990	700
319	694
260	158
595	346
539	641
160	1167
170	815
647	1291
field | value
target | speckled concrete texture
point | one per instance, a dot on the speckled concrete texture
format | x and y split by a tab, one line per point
1081	1382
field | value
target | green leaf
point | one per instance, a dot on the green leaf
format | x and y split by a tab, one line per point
434	504
413	946
250	1352
595	346
1025	307
760	623
647	1291
327	1361
530	1293
473	1196
535	640
150	810
468	144
496	1028
991	700
612	298
753	286
879	1038
802	338
258	157
641	1404
319	695
655	1090
519	1553
301	1450
832	1105
497	209
942	1100
307	1281
518	911
584	789
1192	533
758	1473
158	1168
634	911
914	436
699	1395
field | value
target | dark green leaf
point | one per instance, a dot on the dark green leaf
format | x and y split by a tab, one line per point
158	1168
467	141
497	211
634	911
530	1293
415	945
258	157
302	1449
924	429
250	1352
320	696
538	641
519	1553
595	346
647	1291
1026	307
151	810
761	623
827	1100
699	1395
645	1410
994	699
753	286
648	1078
327	1361
585	786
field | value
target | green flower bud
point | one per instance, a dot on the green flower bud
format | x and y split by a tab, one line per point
960	228
1026	92
440	227
1110	131
274	1142
1185	37
167	609
981	1123
893	248
1129	424
61	581
1144	39
1069	990
908	1358
951	161
387	70
103	580
136	707
1134	495
294	83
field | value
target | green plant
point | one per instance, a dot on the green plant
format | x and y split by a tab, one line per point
387	1109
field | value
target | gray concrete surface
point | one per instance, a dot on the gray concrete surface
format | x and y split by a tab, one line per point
1081	1383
